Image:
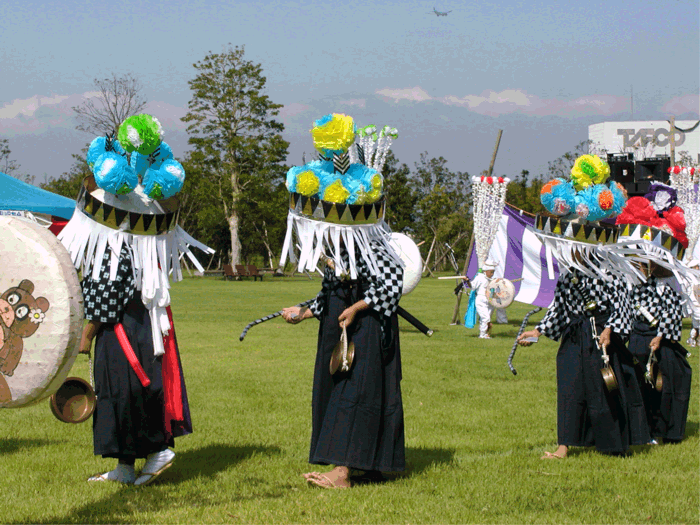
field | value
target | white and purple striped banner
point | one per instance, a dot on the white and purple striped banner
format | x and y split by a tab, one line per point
519	253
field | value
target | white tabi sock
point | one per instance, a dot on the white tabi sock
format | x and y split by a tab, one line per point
123	474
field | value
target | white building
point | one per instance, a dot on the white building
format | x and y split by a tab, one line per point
646	138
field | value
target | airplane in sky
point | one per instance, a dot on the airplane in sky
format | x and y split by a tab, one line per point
439	13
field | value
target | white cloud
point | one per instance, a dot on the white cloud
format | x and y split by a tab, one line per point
495	103
683	104
292	110
38	114
359	102
415	94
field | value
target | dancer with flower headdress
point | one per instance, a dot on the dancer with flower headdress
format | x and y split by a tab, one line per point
125	238
337	216
599	402
656	228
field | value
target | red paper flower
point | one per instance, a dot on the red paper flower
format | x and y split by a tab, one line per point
638	210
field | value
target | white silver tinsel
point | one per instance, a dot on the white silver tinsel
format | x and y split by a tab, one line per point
686	184
489	201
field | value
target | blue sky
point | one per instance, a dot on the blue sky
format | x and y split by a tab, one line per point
540	70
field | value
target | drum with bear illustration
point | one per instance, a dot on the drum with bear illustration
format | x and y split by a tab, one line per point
41	313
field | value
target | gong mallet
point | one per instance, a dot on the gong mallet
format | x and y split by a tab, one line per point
515	345
268	317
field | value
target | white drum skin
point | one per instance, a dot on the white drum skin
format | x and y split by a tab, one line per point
41	313
409	253
500	292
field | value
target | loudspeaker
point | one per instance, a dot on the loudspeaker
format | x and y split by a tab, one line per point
652	170
621	167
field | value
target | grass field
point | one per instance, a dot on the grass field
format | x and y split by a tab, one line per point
474	432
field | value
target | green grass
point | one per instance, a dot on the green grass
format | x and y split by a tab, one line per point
474	432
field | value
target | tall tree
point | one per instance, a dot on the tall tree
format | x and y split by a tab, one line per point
119	97
10	166
231	126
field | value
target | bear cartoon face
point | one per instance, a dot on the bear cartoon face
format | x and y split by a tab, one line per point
20	311
20	316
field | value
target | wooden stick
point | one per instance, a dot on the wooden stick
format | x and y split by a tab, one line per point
495	151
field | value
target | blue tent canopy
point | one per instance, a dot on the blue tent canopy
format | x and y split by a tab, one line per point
18	195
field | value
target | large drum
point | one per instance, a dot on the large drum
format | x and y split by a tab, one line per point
409	253
41	313
500	292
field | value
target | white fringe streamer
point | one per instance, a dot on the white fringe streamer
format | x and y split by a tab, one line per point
154	258
612	261
315	238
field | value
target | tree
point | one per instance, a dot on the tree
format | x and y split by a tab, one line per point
443	205
119	98
9	166
68	184
561	167
401	198
231	127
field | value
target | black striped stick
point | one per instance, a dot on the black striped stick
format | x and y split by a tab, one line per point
400	311
515	345
268	317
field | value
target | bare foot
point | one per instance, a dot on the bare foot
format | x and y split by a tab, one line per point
335	479
559	453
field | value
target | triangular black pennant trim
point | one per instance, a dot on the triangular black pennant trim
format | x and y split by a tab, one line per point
147	220
119	215
133	219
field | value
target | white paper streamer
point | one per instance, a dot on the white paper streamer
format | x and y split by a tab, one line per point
153	258
316	237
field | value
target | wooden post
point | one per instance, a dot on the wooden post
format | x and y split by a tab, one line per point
471	241
495	151
672	141
425	263
455	314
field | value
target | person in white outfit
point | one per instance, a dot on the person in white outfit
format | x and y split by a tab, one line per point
501	316
483	308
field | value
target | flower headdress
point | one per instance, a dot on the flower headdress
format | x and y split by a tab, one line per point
572	230
131	200
339	198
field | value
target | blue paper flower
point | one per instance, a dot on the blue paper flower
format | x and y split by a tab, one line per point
164	182
98	147
141	163
558	197
114	175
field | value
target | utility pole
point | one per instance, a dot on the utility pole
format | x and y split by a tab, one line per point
672	140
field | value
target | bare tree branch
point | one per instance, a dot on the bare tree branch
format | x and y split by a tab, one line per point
119	98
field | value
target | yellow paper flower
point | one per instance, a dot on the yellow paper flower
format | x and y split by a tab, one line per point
378	182
362	197
336	192
373	195
307	183
589	170
334	132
